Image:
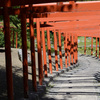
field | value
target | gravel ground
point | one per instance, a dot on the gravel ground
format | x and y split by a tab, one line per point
78	84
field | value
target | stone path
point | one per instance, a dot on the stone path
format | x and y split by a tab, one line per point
77	84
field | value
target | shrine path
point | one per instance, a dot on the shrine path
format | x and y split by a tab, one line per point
80	83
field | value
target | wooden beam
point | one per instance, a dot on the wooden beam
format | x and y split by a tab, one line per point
26	2
67	7
61	16
44	8
76	23
69	15
88	16
85	33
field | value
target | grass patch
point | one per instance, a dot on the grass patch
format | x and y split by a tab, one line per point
88	46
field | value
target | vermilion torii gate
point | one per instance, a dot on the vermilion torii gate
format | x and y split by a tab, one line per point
75	13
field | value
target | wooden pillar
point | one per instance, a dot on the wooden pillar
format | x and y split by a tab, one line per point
85	45
13	39
76	48
59	5
49	50
40	66
34	83
66	50
60	52
72	49
24	50
16	39
64	40
8	53
44	52
74	44
91	46
96	46
72	2
55	47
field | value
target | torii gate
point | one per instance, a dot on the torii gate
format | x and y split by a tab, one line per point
5	4
6	12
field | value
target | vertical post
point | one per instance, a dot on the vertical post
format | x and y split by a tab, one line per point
44	52
72	2
76	48
13	39
69	49
40	66
49	50
16	39
85	45
66	50
8	53
64	40
60	52
34	83
91	46
72	49
59	4
24	50
96	46
55	46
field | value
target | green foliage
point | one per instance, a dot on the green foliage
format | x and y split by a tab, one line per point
15	25
1	39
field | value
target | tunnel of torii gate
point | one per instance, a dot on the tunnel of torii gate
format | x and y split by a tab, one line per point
68	19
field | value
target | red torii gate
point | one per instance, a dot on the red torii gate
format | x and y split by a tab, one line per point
8	3
61	24
38	23
5	5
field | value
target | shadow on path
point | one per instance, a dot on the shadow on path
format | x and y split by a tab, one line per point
17	85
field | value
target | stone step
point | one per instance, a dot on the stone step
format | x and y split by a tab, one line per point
75	78
77	85
71	97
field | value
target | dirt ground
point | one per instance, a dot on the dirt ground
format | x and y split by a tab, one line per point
17	70
17	75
